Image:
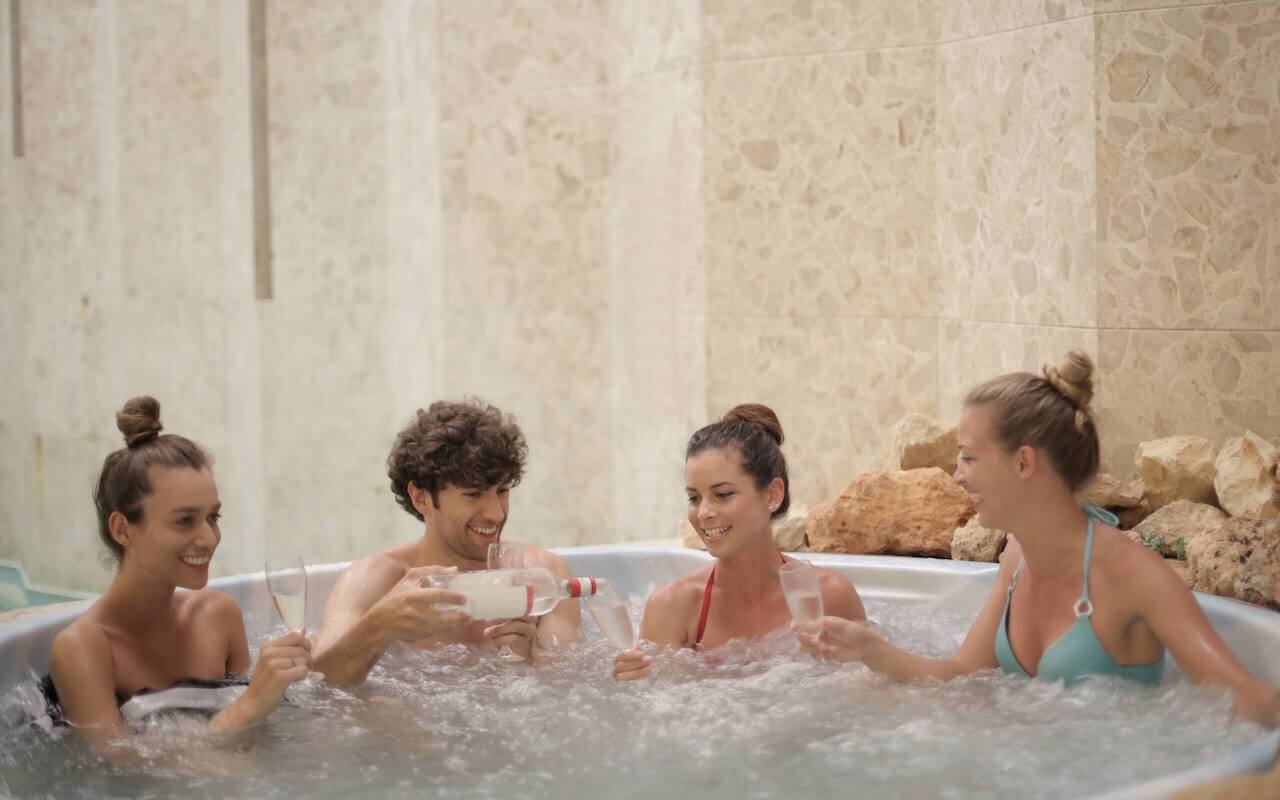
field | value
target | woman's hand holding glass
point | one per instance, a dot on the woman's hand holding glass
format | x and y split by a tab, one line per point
838	639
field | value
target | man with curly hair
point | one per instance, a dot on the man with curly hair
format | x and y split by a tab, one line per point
452	468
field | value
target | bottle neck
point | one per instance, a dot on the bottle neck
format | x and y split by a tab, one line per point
580	587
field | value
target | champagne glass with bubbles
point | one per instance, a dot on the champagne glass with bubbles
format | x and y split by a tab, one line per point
612	617
800	588
506	555
287	584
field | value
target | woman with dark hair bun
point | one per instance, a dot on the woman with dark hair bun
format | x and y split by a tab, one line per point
142	646
736	482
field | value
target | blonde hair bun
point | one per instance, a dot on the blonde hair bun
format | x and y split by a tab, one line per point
1073	379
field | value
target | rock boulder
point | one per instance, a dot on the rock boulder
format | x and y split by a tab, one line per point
1176	468
1245	477
920	442
913	513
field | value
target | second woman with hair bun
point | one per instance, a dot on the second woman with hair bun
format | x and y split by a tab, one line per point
736	482
1075	598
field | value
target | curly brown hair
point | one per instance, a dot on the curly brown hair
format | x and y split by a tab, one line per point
469	444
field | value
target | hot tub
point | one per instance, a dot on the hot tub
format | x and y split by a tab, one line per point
907	587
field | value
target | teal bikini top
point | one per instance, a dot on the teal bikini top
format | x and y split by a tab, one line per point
1078	654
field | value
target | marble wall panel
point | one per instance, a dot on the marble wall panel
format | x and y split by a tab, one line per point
1161	383
1189	167
55	436
818	191
326	428
329	222
1110	6
655	217
963	19
658	399
515	47
741	31
837	384
325	59
655	36
1015	176
550	368
972	352
525	187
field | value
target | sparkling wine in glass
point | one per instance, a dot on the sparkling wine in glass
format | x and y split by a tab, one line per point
287	583
612	616
506	555
800	588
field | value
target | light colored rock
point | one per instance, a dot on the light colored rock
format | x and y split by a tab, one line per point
914	512
1241	559
976	543
690	536
1110	492
1176	468
788	532
1180	520
1244	477
919	442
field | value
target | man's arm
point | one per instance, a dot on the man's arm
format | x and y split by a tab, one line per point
374	603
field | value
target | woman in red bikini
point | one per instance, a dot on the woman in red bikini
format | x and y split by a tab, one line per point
736	480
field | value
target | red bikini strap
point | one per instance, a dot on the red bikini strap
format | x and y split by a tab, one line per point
706	609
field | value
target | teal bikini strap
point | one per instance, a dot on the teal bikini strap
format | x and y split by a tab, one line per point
1095	511
1084	606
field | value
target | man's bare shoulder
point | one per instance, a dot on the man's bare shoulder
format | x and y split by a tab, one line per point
382	570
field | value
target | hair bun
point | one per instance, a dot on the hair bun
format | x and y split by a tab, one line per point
139	420
759	415
1073	379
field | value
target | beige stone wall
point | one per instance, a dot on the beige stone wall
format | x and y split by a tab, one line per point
615	219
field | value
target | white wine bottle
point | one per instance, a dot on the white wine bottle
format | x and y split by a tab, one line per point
510	593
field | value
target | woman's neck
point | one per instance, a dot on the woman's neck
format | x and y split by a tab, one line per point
1051	531
751	572
135	599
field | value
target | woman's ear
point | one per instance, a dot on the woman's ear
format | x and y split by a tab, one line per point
118	526
776	492
1028	461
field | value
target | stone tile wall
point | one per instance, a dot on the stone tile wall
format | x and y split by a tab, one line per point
616	220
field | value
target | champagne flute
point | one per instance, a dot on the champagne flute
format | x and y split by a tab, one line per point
287	584
612	617
506	555
800	588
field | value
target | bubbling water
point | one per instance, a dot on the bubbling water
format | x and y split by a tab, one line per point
750	720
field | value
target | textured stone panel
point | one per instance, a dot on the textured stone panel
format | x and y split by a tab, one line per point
733	30
329	199
525	188
972	352
819	179
1016	167
1162	383
655	203
837	384
492	46
325	59
658	400
1189	168
960	19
